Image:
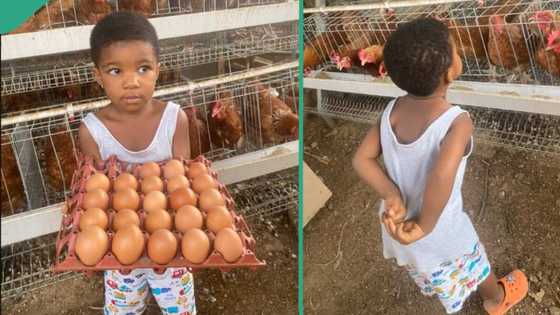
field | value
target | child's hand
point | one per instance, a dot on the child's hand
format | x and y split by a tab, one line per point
406	232
395	209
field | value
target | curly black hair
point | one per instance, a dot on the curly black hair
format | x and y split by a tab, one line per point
418	54
121	26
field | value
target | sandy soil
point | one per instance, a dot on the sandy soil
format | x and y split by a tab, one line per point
344	270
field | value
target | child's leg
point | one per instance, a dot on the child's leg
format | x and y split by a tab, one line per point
491	291
125	294
173	291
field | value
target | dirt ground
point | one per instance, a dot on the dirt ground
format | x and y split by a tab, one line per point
271	290
344	269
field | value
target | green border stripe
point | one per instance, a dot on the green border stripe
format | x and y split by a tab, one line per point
14	13
300	155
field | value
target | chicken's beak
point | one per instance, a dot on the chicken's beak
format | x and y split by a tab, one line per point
216	109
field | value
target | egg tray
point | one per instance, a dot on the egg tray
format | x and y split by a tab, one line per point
67	260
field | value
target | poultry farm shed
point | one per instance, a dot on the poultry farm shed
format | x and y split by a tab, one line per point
510	82
232	56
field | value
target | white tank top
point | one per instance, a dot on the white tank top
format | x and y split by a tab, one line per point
408	166
161	147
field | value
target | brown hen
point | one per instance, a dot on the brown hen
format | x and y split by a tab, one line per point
226	126
56	12
198	133
278	121
91	11
11	185
59	147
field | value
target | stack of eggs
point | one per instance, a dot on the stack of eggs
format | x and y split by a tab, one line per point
147	211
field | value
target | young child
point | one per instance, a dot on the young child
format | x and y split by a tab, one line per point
425	143
137	128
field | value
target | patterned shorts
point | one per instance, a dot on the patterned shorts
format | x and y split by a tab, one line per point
126	294
454	281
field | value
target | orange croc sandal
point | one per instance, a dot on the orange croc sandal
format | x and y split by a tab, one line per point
516	287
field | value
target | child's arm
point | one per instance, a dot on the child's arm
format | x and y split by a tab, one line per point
368	169
438	185
181	142
88	146
442	176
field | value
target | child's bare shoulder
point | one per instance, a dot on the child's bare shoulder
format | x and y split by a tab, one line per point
463	124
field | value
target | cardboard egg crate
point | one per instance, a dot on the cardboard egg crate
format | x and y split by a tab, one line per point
67	260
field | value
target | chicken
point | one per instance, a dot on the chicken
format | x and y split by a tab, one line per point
169	77
56	12
144	7
549	57
349	54
18	102
506	44
546	21
91	11
60	159
278	121
316	51
345	58
11	186
372	59
469	40
226	126
198	133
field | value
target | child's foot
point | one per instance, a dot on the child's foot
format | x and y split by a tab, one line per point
515	287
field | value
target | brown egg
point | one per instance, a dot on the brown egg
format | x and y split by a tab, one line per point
181	197
188	217
94	216
173	168
152	183
218	218
91	245
203	182
196	168
97	198
128	244
211	198
229	244
177	182
158	219
125	180
155	200
126	199
149	169
124	218
195	246
162	246
98	180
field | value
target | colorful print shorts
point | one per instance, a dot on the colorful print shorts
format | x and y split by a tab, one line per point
173	291
454	281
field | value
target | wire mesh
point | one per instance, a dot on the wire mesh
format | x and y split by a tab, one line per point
267	195
51	143
509	51
28	265
66	13
244	43
518	130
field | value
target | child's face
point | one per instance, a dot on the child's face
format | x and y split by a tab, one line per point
456	64
128	71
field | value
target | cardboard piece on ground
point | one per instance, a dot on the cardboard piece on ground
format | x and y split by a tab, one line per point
315	194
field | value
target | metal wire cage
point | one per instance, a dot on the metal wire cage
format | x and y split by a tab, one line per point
69	77
40	154
27	266
67	13
517	130
510	51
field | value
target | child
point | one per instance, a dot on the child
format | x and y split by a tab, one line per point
425	143
137	128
